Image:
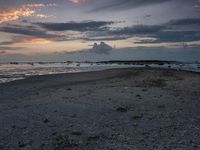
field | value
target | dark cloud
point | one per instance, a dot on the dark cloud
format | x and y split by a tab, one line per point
42	30
182	30
75	26
147	16
6	48
7	43
31	31
27	30
125	4
173	36
187	21
139	29
172	31
104	38
124	33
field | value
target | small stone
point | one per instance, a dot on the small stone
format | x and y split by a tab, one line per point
138	96
135	124
161	106
144	90
139	116
46	121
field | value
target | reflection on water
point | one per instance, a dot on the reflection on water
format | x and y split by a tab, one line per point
16	71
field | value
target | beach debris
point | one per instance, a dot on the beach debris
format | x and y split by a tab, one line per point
122	109
69	89
139	96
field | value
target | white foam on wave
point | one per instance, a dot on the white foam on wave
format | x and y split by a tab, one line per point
11	72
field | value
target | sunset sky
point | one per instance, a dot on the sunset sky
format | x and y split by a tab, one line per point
61	30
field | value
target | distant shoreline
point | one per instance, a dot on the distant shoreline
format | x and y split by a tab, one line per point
110	62
99	71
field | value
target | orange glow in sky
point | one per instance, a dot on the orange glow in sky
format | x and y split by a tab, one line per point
77	1
35	41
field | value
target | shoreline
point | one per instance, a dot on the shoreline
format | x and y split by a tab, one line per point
137	68
132	108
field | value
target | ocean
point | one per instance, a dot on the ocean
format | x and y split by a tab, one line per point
16	71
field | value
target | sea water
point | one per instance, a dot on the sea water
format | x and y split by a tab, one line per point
15	71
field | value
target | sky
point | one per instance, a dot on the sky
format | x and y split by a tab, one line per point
99	30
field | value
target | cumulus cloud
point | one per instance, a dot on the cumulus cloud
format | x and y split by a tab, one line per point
197	5
101	48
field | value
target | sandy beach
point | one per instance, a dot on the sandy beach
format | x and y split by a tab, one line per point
117	109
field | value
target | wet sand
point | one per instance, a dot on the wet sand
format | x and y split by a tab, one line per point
118	109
